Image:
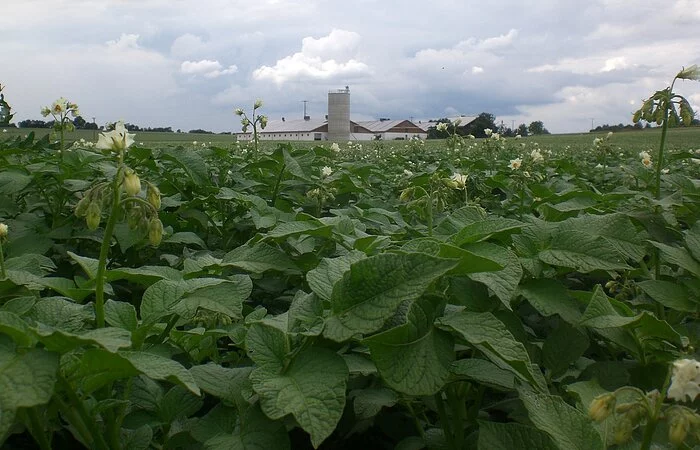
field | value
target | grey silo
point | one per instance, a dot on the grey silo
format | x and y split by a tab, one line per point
339	115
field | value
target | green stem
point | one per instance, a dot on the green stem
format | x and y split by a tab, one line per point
430	212
416	422
654	415
459	414
97	441
444	420
37	430
166	332
275	191
660	162
73	418
104	250
3	274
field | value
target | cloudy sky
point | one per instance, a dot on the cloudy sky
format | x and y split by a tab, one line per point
189	63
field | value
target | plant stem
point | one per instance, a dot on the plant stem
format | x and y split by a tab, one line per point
444	420
660	162
98	440
104	251
3	274
275	191
417	423
37	430
654	416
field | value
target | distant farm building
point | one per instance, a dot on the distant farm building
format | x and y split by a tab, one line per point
337	126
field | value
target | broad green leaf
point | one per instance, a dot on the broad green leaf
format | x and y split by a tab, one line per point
146	275
259	258
679	256
111	339
371	291
19	305
291	229
460	219
12	325
368	402
187	238
13	181
568	427
227	384
67	288
582	252
39	265
178	403
359	365
692	240
490	336
483	372
305	314
329	271
483	229
121	314
255	432
503	283
426	352
312	389
191	162
159	299
89	265
138	439
550	297
563	347
26	379
226	297
469	262
672	295
616	229
161	368
511	436
7	419
60	313
600	313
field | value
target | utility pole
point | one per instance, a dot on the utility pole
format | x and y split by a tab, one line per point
305	102
94	129
592	119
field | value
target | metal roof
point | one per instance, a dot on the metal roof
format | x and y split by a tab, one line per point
379	126
465	120
293	126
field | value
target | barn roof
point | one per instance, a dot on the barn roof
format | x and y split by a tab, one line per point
380	126
294	126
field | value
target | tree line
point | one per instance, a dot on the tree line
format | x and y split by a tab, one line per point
485	121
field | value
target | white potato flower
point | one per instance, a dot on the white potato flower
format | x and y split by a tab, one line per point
488	131
515	163
117	139
59	106
460	180
3	230
517	136
335	147
685	380
407	172
536	156
326	171
442	126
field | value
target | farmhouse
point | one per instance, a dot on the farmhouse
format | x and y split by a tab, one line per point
337	126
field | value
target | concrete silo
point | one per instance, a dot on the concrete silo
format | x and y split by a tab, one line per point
339	115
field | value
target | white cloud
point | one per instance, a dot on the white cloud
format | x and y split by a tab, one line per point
477	70
125	41
329	57
206	68
187	45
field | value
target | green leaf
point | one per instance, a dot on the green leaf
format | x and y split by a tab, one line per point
329	271
672	295
615	229
227	384
26	379
312	389
582	252
490	336
368	402
426	352
12	325
159	299
161	368
692	240
13	181
484	229
178	403
305	314
121	314
550	297
60	313
296	228
191	162
484	372
503	283
511	436
111	339
255	432
186	238
568	427
371	291
678	256
145	275
563	347
600	313
469	262
89	265
259	258
267	346
226	297
138	439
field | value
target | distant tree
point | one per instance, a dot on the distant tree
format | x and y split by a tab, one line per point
200	131
522	130
537	128
90	126
31	123
434	133
79	123
483	121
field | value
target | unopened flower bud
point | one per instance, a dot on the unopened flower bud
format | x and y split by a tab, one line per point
601	407
82	206
153	196
678	428
3	231
258	104
93	216
133	217
238	112
132	183
155	231
623	431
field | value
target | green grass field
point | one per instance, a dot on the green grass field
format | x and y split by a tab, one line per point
679	138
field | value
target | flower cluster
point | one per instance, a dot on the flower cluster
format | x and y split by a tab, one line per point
646	159
459	181
61	109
